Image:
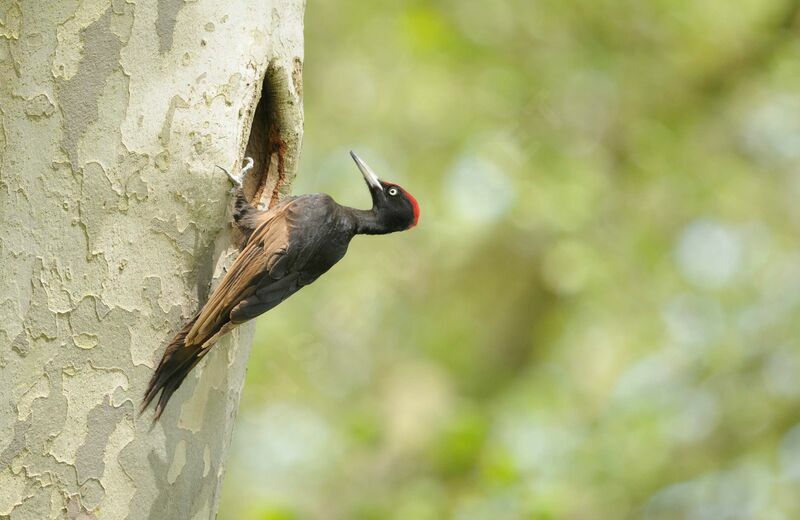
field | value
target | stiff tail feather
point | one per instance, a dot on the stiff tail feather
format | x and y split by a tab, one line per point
178	360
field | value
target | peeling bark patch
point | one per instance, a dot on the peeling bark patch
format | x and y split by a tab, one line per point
17	444
83	387
166	128
94	326
162	319
92	493
178	462
13	487
21	345
3	142
151	292
206	460
297	76
102	421
184	241
39	320
136	188
97	201
165	23
85	341
39	390
76	511
78	96
10	21
32	507
118	483
39	106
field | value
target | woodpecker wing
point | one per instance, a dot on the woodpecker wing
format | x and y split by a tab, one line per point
265	252
317	239
289	250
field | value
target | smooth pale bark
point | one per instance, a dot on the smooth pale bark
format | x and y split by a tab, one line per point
114	223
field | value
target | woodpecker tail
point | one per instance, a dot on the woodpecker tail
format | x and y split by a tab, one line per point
178	360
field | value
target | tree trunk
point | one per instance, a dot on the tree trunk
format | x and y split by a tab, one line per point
113	223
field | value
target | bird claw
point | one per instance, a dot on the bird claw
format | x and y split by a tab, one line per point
237	181
247	167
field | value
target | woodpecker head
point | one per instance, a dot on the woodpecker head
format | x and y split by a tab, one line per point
394	207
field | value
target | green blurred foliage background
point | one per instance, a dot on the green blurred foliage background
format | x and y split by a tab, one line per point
597	316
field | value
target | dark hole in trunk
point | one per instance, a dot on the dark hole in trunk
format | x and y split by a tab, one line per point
265	144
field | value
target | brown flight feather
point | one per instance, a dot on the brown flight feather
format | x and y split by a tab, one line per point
190	345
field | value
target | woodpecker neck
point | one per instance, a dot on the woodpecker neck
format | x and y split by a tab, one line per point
368	222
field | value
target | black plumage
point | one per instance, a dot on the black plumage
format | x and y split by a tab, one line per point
286	248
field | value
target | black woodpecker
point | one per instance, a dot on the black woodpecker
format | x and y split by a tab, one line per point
286	247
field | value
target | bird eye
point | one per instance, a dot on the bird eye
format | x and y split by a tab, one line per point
392	191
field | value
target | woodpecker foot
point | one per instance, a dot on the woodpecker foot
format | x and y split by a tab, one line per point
237	181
